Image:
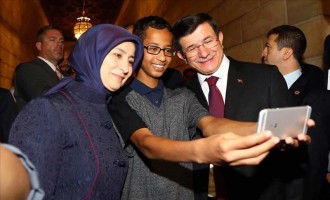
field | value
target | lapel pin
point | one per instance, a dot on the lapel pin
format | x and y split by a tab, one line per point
297	92
239	81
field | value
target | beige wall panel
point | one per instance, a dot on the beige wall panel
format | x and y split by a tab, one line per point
259	22
171	10
176	12
5	83
317	61
137	11
327	22
262	2
297	11
249	51
232	9
8	62
6	71
232	33
9	41
186	7
325	5
19	23
315	31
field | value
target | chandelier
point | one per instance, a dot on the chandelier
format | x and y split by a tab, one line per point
82	24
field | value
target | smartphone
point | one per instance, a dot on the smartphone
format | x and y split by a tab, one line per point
284	122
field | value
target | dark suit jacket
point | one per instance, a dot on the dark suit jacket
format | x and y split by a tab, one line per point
32	79
311	79
250	88
8	112
326	57
172	78
309	89
318	150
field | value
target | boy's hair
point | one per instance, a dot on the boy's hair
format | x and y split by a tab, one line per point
188	25
291	37
144	23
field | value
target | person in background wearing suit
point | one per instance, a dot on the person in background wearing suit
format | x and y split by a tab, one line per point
172	78
326	60
285	47
33	79
64	65
246	88
188	73
8	112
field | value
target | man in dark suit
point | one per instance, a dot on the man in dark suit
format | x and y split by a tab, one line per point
33	79
326	60
246	89
285	48
172	78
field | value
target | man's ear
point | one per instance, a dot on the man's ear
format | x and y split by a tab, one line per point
220	37
288	52
38	45
181	56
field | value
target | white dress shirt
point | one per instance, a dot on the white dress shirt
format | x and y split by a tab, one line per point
291	77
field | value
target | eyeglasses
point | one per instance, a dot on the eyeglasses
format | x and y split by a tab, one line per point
154	50
207	43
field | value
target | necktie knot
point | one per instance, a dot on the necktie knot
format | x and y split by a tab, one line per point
58	73
212	80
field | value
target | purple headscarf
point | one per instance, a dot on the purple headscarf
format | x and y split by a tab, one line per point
90	51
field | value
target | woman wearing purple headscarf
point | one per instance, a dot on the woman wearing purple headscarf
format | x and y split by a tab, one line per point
68	133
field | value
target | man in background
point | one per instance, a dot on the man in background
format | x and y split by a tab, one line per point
285	47
33	79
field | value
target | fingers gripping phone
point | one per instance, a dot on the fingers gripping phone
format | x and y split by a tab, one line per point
284	122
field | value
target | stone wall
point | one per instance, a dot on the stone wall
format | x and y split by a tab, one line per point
19	23
245	23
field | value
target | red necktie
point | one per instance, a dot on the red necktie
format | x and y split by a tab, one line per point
216	103
216	108
58	73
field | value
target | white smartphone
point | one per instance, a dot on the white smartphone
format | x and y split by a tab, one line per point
284	122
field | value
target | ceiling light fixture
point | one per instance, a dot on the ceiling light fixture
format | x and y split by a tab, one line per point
82	25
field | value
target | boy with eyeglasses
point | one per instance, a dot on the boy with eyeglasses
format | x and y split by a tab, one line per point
159	140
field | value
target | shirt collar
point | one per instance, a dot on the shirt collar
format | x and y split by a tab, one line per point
49	63
142	89
291	77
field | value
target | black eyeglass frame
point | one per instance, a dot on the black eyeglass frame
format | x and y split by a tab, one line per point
166	53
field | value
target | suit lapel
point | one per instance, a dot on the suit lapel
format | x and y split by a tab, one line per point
298	88
51	73
235	88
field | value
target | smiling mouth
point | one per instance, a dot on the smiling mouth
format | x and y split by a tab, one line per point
202	60
158	66
119	76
